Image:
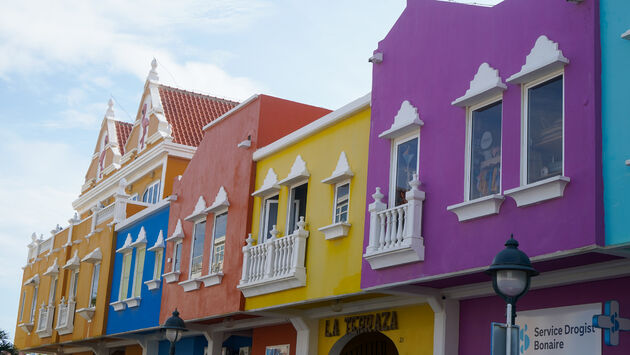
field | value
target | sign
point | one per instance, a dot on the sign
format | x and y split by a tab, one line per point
498	339
364	323
560	331
611	322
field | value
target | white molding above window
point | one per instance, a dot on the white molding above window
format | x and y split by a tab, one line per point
539	191
171	277
53	270
485	85
190	285
126	248
220	202
159	243
407	120
198	213
342	171
480	207
270	185
178	233
335	230
73	263
626	35
93	257
33	281
298	174
544	58
211	279
141	240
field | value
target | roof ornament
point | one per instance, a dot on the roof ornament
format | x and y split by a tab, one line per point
153	74
110	109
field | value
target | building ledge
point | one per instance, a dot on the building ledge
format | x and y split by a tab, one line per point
132	302
335	230
480	207
87	313
539	191
118	305
396	256
171	277
190	285
211	279
27	327
297	279
153	284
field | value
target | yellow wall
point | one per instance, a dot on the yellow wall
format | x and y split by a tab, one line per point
414	335
174	167
138	186
333	267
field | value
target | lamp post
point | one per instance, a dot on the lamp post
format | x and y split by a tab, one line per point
511	271
174	327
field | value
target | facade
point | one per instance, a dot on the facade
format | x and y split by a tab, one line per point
615	46
66	294
209	222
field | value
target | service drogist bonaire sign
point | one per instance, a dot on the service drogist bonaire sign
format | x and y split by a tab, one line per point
560	331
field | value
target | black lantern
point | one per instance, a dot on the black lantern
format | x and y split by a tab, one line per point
174	327
511	271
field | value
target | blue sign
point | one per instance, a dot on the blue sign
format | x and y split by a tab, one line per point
611	323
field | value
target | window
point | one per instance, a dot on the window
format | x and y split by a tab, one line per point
543	136
53	291
484	146
22	305
34	304
152	193
137	271
94	286
297	207
177	256
157	269
270	216
342	200
404	165
134	197
196	260
220	227
74	283
124	276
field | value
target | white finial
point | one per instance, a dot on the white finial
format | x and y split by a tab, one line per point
110	109
153	75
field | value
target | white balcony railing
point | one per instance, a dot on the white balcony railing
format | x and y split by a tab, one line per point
275	265
44	323
104	214
65	317
395	233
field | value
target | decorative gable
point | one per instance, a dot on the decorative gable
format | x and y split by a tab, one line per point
543	59
406	120
485	85
298	172
269	186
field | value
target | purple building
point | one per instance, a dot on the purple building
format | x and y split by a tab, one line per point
497	110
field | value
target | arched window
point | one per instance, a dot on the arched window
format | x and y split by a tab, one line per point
152	193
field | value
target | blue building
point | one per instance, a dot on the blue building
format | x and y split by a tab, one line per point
615	47
136	289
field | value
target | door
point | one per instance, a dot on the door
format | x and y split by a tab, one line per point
373	343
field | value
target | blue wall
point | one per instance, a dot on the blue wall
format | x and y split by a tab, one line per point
615	20
148	313
188	346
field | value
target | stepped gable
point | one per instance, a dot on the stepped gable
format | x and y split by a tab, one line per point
189	112
123	129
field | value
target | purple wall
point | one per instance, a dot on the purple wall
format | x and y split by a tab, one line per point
430	56
477	314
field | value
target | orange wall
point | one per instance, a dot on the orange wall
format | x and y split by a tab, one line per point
274	335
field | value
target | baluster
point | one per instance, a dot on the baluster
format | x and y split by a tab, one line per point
382	221
389	229
401	224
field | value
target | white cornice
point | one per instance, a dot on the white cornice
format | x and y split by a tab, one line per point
232	111
314	127
140	165
142	214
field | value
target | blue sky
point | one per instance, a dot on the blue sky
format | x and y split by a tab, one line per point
61	63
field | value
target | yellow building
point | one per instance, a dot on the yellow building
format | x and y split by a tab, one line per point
65	298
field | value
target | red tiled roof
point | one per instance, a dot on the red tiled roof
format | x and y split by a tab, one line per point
189	112
123	129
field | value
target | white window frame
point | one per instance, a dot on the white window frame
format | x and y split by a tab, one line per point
177	245
266	201
394	161
126	256
334	207
292	204
22	305
192	248
134	197
468	158
525	121
74	285
157	265
95	276
159	192
34	303
138	270
53	290
216	241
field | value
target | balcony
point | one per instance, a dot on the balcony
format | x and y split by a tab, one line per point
44	323
395	234
65	317
275	265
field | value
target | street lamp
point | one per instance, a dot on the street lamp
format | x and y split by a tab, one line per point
174	327
511	271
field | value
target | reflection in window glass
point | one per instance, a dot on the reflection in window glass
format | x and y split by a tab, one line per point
485	151
297	206
270	216
157	270
34	304
94	288
544	130
220	226
22	305
197	251
124	278
341	203
138	270
406	166
177	256
152	193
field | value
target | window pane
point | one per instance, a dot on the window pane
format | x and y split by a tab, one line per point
178	257
297	206
22	305
94	289
124	278
217	258
544	130
271	216
53	291
138	271
34	304
197	252
157	270
341	204
220	225
485	159
75	284
406	166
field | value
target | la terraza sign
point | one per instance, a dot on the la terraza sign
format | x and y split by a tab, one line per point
374	322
